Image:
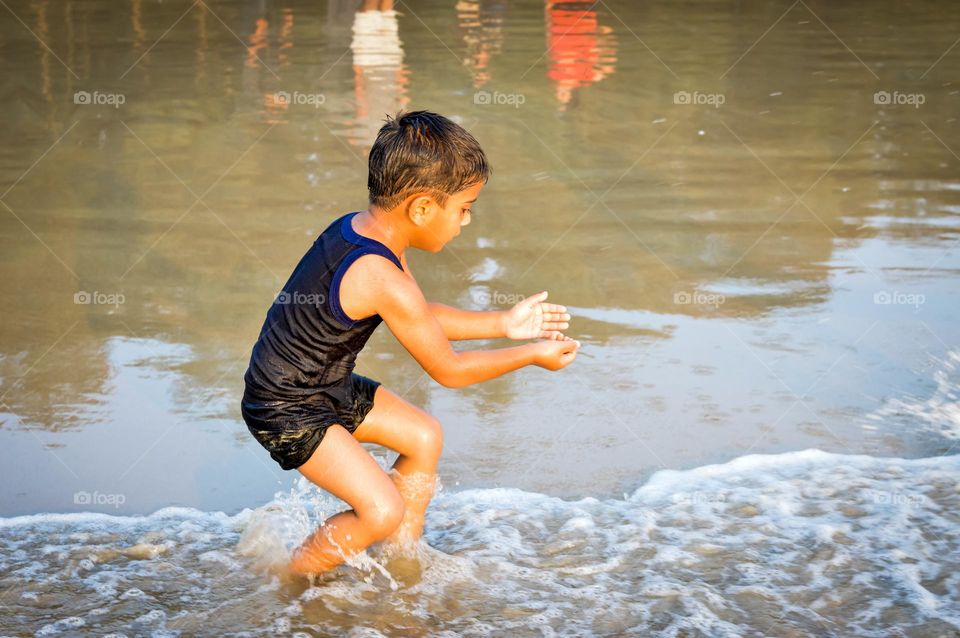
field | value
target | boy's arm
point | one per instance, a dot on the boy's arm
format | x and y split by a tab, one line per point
469	324
399	301
529	319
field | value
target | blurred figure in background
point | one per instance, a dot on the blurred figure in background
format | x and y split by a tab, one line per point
582	52
481	26
380	77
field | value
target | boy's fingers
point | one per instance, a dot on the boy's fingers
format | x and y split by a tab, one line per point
553	310
556	335
569	339
533	300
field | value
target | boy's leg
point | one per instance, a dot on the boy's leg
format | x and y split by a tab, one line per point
418	437
342	467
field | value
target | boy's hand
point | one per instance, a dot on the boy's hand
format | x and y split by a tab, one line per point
395	296
557	354
534	319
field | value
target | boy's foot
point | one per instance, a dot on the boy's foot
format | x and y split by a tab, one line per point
290	577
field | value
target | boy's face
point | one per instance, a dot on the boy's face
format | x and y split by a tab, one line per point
440	224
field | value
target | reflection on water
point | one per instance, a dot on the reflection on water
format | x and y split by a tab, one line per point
165	165
378	67
481	27
581	51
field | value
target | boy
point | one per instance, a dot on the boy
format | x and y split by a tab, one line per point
303	402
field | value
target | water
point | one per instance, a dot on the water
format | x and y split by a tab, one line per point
770	269
800	543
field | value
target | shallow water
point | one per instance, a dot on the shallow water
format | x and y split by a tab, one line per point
770	268
801	543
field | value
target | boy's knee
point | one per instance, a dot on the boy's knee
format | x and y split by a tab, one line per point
384	515
430	436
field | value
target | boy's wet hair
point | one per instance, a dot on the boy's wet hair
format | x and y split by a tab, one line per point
421	151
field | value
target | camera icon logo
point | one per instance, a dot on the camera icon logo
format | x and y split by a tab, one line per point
882	297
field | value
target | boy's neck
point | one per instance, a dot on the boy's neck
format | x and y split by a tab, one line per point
382	225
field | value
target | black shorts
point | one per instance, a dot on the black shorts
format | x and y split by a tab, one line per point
291	432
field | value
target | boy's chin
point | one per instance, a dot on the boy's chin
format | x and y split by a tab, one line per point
432	247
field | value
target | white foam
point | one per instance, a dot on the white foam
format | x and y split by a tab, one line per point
852	542
940	412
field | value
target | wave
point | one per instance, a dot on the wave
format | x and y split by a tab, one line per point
806	543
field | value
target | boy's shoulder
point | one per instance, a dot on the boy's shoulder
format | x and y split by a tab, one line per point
373	280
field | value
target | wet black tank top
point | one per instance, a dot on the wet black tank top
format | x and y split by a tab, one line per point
308	345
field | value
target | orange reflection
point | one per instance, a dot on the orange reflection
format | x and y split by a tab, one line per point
276	103
582	52
286	38
136	23
258	42
276	106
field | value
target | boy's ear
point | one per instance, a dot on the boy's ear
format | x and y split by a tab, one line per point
421	209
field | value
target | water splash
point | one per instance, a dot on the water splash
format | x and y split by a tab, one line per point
940	412
802	543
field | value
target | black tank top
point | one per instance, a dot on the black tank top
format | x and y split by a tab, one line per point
308	345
